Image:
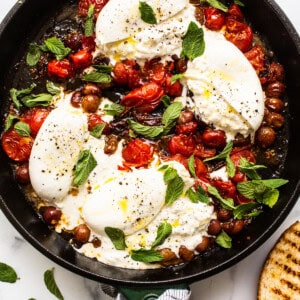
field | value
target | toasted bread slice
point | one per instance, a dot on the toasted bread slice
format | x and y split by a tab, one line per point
280	276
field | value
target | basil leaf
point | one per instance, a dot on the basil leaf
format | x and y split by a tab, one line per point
238	2
146	256
147	131
254	213
198	196
103	68
226	151
247	189
16	94
193	44
22	128
272	183
191	165
97	77
84	166
57	47
89	22
166	100
113	109
147	13
97	130
163	232
243	209
53	88
225	203
7	273
170	116
175	77
117	237
230	167
37	100
33	55
174	190
224	240
217	4
9	122
270	197
51	284
170	174
250	168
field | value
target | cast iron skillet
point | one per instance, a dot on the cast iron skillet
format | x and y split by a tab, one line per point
24	23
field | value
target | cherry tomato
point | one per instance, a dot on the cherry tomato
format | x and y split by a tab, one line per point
226	189
35	117
84	5
214	138
127	73
137	153
174	89
204	152
235	12
88	43
62	69
182	144
179	158
187	128
214	18
240	199
235	156
156	72
94	120
200	168
238	33
144	99
17	147
81	59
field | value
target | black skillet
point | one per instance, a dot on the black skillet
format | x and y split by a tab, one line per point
28	21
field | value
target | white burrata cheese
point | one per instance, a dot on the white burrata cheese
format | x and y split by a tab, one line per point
121	33
55	152
226	90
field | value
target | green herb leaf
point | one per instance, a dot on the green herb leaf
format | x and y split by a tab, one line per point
37	100
170	174
51	284
230	167
84	166
166	101
53	88
191	165
176	77
272	183
57	47
144	130
217	4
97	77
89	21
97	130
198	196
247	189
243	209
113	109
238	2
254	213
193	44
117	237
224	240
270	197
163	232
147	13
223	155
174	190
33	55
22	128
17	94
170	116
225	203
146	256
103	68
250	168
7	273
9	122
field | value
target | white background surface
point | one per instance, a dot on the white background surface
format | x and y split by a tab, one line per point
236	283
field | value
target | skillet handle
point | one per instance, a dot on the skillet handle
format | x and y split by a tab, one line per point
131	293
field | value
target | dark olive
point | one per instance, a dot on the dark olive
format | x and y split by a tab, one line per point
274	120
233	227
185	117
90	103
275	89
185	254
274	104
214	227
265	136
76	99
91	89
276	72
111	144
51	215
204	245
22	174
223	214
82	233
